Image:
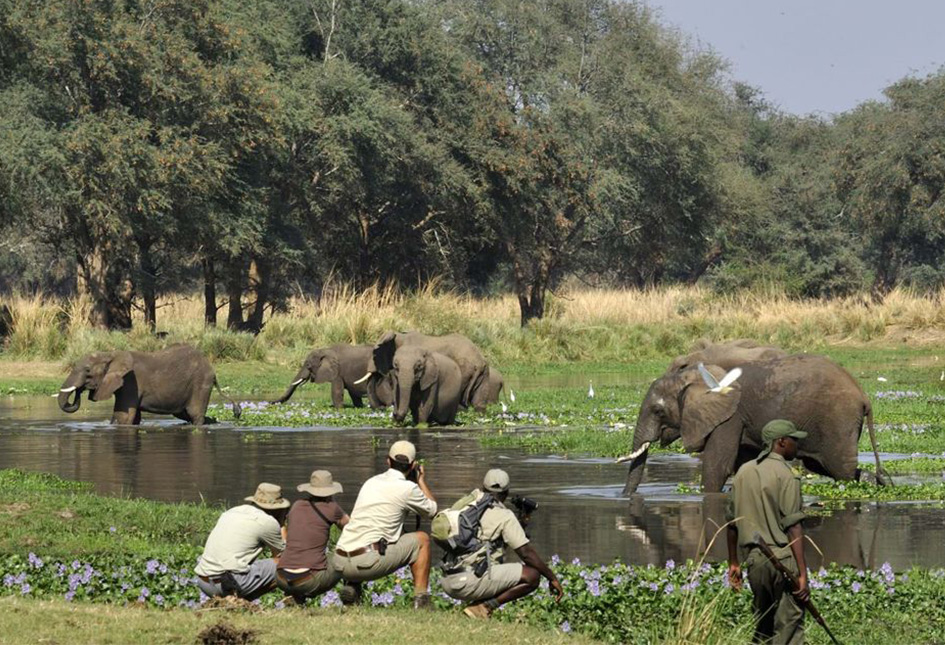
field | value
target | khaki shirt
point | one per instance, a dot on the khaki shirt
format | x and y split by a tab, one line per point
766	499
382	507
238	539
498	524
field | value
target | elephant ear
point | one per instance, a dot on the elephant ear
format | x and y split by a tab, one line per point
382	358
431	371
702	410
327	369
120	364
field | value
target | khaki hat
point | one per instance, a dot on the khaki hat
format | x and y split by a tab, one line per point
496	481
320	484
403	451
269	496
775	430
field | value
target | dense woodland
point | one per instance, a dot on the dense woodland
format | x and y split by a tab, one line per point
256	151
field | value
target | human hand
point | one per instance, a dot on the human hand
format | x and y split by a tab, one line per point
802	593
558	589
735	577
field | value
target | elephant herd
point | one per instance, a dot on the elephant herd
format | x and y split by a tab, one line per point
432	377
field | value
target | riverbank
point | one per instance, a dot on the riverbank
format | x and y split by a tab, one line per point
121	569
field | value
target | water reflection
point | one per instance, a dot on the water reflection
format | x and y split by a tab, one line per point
582	514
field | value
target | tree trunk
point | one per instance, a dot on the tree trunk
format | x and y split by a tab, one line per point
95	284
364	251
532	303
234	292
257	286
209	293
147	283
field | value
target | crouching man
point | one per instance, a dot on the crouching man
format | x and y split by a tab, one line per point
475	572
372	544
230	563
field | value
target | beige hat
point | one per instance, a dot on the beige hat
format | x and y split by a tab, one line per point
496	480
269	496
320	484
403	451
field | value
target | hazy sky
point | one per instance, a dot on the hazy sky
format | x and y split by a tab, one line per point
821	56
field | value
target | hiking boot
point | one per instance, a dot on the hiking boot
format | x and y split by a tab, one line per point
350	593
422	601
479	610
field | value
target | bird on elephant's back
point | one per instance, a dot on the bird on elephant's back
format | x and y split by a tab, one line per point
816	394
474	369
177	380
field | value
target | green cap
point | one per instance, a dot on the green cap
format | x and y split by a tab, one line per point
775	430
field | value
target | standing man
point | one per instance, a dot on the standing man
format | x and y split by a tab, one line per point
229	564
766	500
372	544
482	577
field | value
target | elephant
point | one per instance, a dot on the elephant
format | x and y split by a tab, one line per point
489	392
472	364
726	355
177	380
341	365
815	393
427	383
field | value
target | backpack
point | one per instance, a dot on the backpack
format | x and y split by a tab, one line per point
456	530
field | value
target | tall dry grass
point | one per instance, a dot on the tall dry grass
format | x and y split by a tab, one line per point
588	325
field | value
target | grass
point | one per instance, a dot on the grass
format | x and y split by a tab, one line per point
39	621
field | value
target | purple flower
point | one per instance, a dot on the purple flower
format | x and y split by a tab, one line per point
35	561
594	588
383	599
856	587
151	567
555	560
654	586
159	599
670	565
25	589
576	562
565	627
145	592
669	588
69	596
112	529
279	605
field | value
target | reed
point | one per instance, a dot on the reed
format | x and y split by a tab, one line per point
604	325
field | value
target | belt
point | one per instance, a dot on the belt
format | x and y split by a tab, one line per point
298	577
357	552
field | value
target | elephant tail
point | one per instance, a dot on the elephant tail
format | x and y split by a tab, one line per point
236	406
881	475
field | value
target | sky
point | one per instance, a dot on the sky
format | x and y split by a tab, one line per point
816	57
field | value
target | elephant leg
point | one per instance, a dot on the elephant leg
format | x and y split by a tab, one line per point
426	408
183	416
356	399
338	393
126	410
719	455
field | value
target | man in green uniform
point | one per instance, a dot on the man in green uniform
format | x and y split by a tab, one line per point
766	501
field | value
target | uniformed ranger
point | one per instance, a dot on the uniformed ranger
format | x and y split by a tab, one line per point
766	500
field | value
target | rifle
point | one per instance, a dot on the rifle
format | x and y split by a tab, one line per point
794	582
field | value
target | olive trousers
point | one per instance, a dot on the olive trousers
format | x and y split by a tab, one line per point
780	618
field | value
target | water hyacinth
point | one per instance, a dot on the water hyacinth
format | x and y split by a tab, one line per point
897	395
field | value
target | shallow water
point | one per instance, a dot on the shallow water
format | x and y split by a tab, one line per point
581	515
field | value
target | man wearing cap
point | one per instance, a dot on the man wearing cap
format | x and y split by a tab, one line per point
373	544
499	582
766	501
303	570
229	564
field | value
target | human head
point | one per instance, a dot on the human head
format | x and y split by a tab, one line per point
496	482
268	497
320	485
780	436
402	456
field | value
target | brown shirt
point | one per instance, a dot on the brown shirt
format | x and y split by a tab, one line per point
308	535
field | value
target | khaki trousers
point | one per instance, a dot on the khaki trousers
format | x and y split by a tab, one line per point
780	618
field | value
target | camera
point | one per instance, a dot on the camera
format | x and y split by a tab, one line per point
524	505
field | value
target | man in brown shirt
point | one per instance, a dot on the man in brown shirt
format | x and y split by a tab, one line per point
303	568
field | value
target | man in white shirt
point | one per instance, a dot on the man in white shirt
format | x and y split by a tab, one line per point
229	564
372	544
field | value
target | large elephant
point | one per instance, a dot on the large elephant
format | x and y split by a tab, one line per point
812	391
488	393
472	364
177	380
726	355
428	384
341	365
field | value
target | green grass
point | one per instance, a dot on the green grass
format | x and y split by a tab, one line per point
44	621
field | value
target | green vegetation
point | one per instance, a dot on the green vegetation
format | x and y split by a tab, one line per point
138	565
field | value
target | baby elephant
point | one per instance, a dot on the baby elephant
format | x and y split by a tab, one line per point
428	383
342	366
177	380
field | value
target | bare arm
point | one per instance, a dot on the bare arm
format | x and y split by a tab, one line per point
734	570
530	557
796	534
344	520
422	483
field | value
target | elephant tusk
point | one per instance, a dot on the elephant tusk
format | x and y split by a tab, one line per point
66	390
363	378
633	455
297	382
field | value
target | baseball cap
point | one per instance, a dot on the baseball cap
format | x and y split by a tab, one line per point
496	480
403	451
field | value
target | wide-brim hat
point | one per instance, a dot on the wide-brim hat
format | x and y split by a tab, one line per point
320	484
269	496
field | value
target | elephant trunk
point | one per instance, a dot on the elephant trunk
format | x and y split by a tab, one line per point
71	389
646	432
402	390
300	378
